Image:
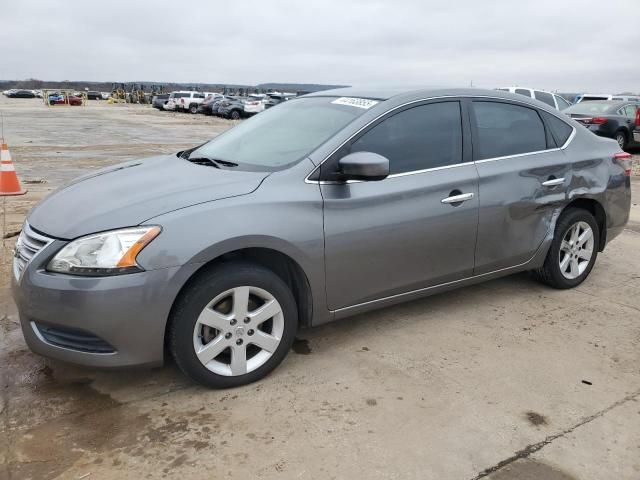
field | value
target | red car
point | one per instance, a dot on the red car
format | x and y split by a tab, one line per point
60	100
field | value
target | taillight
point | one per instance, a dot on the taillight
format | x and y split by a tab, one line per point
598	121
638	117
182	100
624	160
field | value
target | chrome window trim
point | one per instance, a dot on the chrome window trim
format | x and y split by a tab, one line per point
415	172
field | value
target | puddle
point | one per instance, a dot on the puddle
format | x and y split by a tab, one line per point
301	346
527	469
536	419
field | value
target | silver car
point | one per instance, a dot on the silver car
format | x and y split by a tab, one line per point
322	207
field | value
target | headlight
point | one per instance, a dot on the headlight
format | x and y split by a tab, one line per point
108	253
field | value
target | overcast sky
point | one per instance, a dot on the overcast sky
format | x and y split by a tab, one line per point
566	45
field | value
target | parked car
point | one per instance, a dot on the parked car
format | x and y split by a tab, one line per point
276	98
158	101
329	205
58	99
216	105
93	95
186	101
236	108
105	95
21	94
606	118
553	100
207	104
587	97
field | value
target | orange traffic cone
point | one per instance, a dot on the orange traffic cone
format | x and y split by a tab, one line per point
9	183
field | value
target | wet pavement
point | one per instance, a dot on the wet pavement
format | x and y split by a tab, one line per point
505	380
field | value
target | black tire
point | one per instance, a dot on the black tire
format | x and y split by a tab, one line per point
235	115
193	108
622	140
550	273
204	288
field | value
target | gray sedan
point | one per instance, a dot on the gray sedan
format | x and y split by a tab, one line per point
322	207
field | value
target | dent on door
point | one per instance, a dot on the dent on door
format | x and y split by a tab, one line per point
519	198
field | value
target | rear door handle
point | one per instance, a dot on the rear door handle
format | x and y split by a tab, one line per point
463	197
553	182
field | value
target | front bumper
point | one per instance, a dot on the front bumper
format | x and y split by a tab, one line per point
126	312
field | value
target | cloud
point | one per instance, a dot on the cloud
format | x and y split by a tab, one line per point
569	46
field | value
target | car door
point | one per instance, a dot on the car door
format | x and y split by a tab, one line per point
405	232
523	178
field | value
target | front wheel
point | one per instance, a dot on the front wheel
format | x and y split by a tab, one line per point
193	108
235	115
233	325
573	251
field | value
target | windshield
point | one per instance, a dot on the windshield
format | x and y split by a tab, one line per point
588	108
282	135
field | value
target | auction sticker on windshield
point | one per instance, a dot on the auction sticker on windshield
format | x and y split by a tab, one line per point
355	102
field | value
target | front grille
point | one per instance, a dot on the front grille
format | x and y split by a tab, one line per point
73	339
28	245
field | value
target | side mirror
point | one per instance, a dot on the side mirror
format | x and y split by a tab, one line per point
367	166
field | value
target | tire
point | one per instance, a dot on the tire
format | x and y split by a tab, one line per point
211	297
235	115
193	108
576	267
621	138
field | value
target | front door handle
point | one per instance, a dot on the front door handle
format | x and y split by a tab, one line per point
552	182
463	197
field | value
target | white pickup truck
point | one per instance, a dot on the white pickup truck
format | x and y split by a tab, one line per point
185	100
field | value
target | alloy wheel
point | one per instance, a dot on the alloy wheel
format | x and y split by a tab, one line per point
576	250
238	331
620	139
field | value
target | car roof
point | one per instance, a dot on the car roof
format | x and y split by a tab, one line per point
416	94
612	103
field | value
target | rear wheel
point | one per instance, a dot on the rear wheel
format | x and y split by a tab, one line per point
235	115
573	251
233	325
621	138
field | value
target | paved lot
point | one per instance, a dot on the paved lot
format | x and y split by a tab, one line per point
508	379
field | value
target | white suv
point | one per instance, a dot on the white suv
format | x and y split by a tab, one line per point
185	100
551	99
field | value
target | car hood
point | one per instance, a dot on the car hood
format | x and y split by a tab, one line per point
129	193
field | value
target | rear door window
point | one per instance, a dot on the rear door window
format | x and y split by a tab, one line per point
504	129
422	137
523	91
545	98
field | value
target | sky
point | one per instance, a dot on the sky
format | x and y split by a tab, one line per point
558	45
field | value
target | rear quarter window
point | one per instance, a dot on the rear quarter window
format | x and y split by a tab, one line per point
560	131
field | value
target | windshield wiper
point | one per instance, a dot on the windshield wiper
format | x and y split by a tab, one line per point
214	162
204	161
